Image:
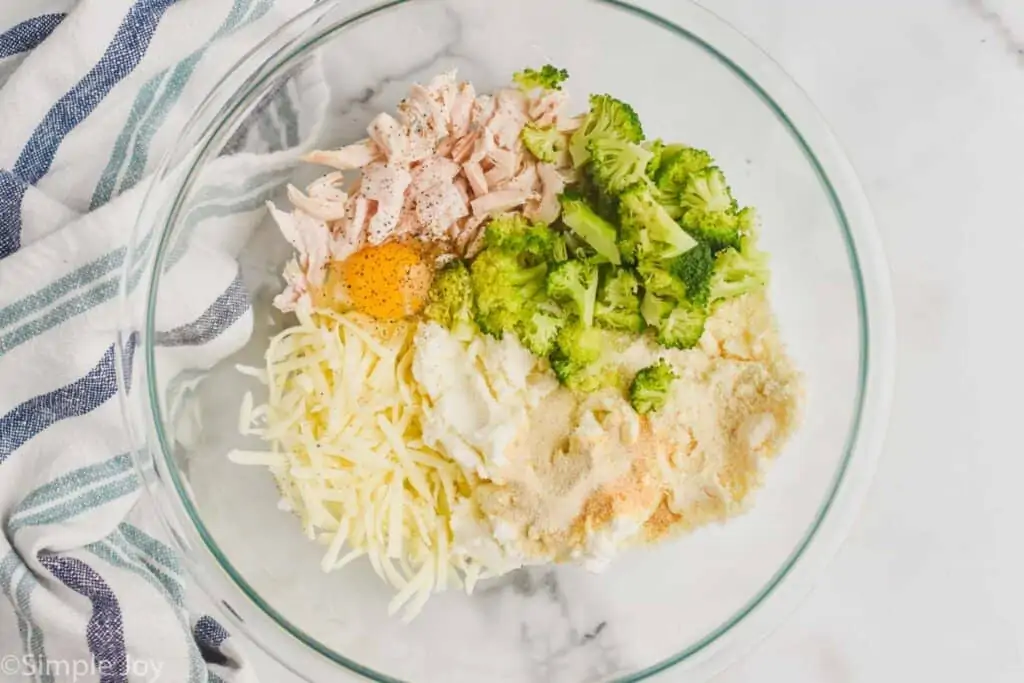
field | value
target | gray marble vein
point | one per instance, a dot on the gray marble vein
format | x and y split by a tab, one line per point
448	50
1011	41
560	645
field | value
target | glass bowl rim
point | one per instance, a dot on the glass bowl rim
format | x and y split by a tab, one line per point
876	326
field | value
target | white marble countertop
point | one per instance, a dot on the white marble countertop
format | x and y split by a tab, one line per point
927	96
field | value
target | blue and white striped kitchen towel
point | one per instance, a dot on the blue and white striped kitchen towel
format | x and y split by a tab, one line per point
92	94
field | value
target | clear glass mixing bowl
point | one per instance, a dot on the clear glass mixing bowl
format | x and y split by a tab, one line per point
205	263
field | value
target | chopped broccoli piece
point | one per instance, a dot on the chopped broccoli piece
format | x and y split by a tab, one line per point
623	320
660	153
647	230
547	144
649	390
450	299
618	303
683	327
634	242
672	203
616	164
603	204
747	218
591	228
656	147
504	290
607	117
574	284
739	271
709	211
678	325
719	229
539	329
654	309
560	250
508	280
546	78
694	270
579	343
659	280
677	164
706	191
584	378
577	359
564	368
511	232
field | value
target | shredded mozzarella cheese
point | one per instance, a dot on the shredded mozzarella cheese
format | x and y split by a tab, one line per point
343	420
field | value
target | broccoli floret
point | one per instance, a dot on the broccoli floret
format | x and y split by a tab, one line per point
584	378
547	144
747	220
450	299
634	242
532	242
694	270
678	324
677	164
591	228
607	117
560	249
739	271
661	153
647	230
618	302
649	390
710	211
706	191
654	309
564	368
659	280
600	202
656	148
504	290
672	203
616	164
719	229
577	359
683	327
539	330
574	284
508	279
623	320
547	77
579	343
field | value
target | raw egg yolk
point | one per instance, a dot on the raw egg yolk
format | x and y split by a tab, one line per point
388	281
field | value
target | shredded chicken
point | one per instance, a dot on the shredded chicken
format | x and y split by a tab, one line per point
433	171
475	175
436	171
500	201
390	136
324	202
347	158
548	108
547	208
505	162
462	110
310	237
526	181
